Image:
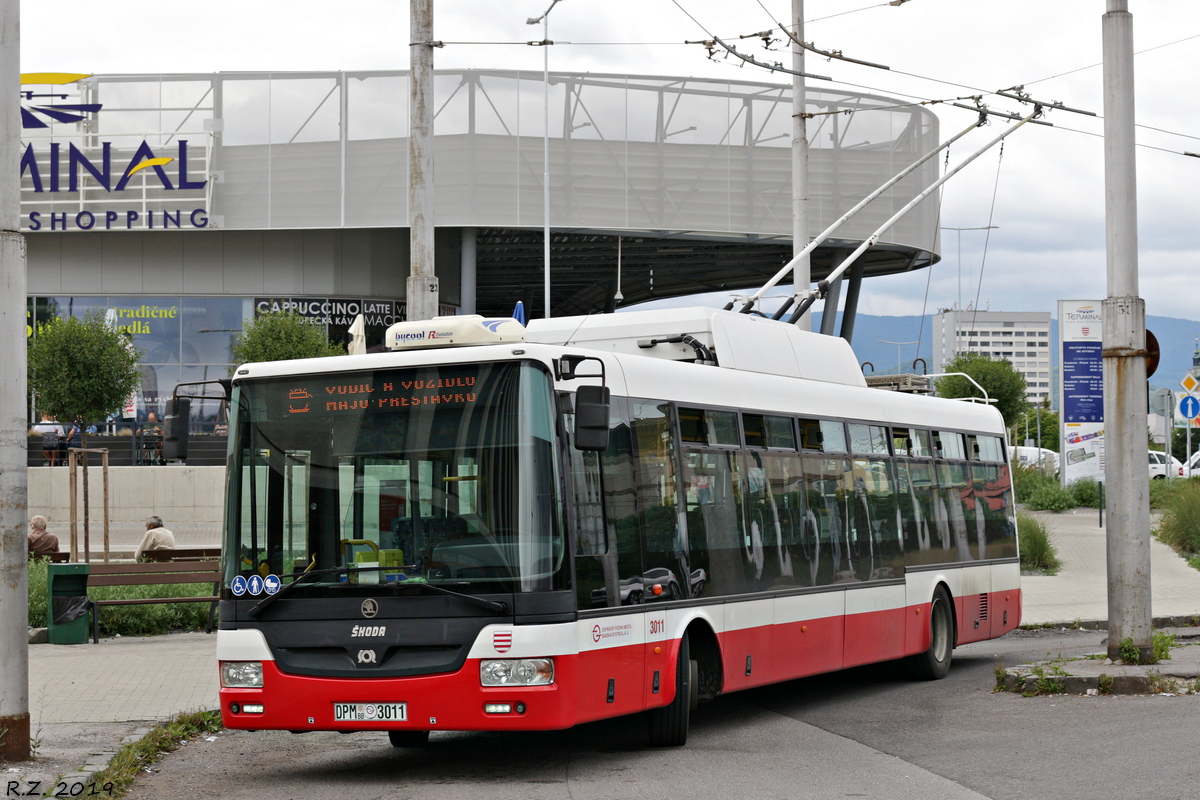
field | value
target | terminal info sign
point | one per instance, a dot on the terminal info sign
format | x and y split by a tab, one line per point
1081	399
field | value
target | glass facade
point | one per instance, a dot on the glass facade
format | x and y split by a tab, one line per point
185	338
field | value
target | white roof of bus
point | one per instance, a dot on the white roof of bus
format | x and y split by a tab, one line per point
709	386
635	375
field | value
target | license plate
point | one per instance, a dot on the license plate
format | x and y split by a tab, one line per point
370	712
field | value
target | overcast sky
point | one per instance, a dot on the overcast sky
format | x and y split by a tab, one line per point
1046	194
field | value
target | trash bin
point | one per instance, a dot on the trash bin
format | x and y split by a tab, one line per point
67	603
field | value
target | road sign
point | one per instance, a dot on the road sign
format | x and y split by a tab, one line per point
1189	407
1189	383
1161	402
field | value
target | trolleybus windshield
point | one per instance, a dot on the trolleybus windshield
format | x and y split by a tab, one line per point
383	479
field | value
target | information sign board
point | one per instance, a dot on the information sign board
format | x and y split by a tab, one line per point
1080	329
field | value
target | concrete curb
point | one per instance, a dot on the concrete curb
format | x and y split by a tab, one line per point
1025	683
1189	621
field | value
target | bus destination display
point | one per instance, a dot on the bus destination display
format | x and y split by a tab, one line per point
360	394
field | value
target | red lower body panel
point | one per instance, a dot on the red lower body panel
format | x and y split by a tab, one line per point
451	701
614	681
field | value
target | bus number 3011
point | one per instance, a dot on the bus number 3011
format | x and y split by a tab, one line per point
657	626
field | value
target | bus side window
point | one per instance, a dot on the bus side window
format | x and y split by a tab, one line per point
664	548
824	546
608	562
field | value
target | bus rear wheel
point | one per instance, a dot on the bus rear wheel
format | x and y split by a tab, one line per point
668	726
934	663
408	738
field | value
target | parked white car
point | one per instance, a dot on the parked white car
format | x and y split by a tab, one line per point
1193	466
1040	457
1159	465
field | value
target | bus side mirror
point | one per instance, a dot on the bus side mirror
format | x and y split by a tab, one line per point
175	429
591	418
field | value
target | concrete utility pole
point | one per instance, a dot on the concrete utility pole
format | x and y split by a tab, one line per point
14	573
422	284
1129	613
801	272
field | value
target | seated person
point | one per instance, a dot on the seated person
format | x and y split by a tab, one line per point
42	543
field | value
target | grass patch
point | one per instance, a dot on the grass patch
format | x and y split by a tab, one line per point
1037	552
1047	681
1180	524
143	620
123	768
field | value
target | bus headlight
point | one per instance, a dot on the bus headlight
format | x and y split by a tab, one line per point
517	672
242	674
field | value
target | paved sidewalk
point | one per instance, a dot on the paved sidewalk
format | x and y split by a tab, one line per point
1079	592
85	700
123	679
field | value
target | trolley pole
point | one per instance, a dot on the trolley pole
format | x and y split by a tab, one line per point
801	272
14	574
1129	612
422	286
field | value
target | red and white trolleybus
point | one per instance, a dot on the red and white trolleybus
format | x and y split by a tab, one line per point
494	527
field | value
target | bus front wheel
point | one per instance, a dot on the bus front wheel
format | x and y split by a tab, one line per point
668	726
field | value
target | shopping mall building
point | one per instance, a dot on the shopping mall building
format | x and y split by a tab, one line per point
190	203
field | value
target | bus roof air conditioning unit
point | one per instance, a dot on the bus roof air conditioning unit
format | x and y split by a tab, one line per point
458	331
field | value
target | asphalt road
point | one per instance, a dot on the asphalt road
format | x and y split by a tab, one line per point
862	733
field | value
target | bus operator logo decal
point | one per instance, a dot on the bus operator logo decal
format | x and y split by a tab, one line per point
369	608
502	641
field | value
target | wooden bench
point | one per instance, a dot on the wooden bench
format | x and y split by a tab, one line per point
178	554
154	574
184	554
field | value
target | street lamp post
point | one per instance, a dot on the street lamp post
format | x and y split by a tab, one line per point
545	20
960	230
898	345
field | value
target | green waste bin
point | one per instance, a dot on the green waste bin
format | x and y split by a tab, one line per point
67	603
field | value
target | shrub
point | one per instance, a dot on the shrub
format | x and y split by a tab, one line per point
1050	498
1037	552
144	620
1180	523
1028	479
1086	492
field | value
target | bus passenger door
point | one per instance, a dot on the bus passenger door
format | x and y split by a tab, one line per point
609	582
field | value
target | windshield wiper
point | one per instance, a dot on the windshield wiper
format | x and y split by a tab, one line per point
498	606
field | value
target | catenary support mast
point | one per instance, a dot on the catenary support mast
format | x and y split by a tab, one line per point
801	270
14	573
1129	612
422	286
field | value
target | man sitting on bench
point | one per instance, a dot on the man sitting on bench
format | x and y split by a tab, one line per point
42	543
157	538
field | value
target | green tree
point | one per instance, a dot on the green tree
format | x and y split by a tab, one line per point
1029	422
82	371
280	336
998	378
